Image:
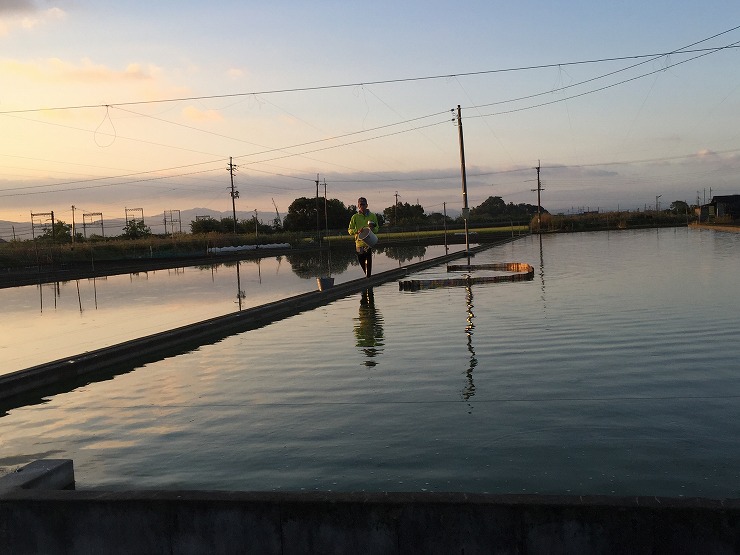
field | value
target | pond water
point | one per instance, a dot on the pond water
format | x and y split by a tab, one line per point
47	322
613	372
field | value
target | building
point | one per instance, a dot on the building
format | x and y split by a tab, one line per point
725	206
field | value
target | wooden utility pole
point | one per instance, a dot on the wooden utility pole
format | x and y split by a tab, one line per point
234	192
539	203
318	225
326	211
73	224
444	214
465	210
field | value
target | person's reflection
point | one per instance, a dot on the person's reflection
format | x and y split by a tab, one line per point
369	328
469	389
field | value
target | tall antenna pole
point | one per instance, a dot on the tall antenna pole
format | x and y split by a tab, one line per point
466	210
234	193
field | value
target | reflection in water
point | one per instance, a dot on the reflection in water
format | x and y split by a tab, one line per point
369	328
542	277
79	298
469	389
310	265
240	294
95	291
57	292
404	253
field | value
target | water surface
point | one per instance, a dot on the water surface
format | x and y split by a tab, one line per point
613	372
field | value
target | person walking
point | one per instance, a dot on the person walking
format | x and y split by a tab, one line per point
363	218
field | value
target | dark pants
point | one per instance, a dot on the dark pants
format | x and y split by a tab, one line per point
365	258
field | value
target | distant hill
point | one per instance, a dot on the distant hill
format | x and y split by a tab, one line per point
10	230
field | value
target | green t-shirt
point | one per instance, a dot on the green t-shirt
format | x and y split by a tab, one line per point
358	221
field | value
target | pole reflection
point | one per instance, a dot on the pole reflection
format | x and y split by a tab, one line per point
369	328
542	278
240	294
57	293
469	390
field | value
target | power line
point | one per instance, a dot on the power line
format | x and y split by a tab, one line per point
378	82
286	149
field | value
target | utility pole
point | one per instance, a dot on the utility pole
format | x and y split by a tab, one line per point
395	210
539	202
73	224
318	225
444	215
465	210
326	211
698	205
234	193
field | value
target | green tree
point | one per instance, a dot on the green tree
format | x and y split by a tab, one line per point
136	229
405	214
438	219
302	214
494	209
59	233
680	207
206	225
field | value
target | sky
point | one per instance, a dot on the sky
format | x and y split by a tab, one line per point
108	106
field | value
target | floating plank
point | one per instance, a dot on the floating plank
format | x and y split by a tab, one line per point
498	266
525	273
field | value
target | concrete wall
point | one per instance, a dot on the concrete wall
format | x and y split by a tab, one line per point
46	521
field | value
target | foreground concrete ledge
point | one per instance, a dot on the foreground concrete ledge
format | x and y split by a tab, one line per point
175	521
38	521
47	474
432	499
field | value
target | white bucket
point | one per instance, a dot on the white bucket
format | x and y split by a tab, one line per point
368	237
325	283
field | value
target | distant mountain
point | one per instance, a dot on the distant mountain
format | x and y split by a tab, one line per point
176	221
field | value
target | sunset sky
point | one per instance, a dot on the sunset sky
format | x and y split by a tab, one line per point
112	105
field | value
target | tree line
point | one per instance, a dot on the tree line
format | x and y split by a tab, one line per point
309	215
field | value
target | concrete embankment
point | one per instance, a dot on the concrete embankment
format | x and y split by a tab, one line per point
717	227
29	385
37	519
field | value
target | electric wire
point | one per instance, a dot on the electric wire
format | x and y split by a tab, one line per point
377	82
703	52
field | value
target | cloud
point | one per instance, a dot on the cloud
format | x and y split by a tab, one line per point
20	14
86	71
194	114
235	73
14	6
